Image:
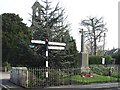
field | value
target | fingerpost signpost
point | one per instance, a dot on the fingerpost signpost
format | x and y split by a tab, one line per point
49	45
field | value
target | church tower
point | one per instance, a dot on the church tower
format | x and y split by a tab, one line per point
37	16
36	11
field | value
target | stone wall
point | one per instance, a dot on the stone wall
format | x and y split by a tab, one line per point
19	76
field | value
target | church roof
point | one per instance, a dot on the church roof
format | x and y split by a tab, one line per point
36	5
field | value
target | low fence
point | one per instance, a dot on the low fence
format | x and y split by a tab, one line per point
56	77
36	77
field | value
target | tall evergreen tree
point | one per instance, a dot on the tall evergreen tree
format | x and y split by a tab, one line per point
15	40
50	22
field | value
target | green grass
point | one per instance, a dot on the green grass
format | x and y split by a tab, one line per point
96	78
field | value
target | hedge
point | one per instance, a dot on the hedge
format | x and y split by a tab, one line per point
98	59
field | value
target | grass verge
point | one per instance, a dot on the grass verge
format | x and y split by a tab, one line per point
95	79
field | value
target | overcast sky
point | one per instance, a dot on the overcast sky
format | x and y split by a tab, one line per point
76	10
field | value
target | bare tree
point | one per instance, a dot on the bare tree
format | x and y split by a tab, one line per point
96	27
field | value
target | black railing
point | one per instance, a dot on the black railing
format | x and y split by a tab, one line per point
69	76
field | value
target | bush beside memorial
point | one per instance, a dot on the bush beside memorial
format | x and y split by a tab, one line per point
98	59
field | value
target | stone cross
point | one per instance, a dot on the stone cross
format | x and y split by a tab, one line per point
83	55
82	40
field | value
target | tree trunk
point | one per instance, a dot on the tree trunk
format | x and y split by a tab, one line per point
94	38
91	48
95	47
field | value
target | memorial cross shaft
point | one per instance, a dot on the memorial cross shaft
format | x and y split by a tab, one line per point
84	62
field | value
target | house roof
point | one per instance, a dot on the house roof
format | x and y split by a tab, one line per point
112	51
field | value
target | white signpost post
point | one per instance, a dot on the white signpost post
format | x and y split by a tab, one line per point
52	45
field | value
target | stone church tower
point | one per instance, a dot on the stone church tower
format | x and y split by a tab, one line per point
37	16
36	12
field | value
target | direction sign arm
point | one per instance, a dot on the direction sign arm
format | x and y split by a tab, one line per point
38	41
56	43
49	43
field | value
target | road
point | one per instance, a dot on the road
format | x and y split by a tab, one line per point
4	82
4	76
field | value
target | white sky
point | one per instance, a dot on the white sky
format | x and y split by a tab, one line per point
76	10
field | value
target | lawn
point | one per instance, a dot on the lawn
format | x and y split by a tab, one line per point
96	78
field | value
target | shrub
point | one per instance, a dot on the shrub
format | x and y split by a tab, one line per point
98	59
100	69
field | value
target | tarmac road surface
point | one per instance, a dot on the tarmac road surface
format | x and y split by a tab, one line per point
7	85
